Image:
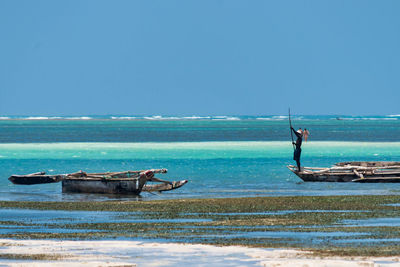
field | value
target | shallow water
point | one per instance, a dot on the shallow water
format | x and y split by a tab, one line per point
373	222
220	156
316	237
224	176
369	241
15	221
11	229
61	217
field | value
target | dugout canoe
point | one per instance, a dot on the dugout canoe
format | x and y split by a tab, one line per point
126	182
357	171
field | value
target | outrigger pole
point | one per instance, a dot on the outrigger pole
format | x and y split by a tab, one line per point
291	133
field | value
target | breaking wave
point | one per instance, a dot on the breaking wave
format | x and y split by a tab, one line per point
204	118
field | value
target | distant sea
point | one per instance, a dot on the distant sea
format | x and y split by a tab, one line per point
221	156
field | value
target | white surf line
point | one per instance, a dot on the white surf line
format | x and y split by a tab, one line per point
137	253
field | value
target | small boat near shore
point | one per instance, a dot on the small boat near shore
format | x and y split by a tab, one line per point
356	171
126	182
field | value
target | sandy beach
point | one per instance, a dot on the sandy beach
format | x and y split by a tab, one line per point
137	253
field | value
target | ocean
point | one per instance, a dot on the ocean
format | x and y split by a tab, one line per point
221	156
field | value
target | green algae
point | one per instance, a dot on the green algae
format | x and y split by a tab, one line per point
220	205
38	257
17	223
222	217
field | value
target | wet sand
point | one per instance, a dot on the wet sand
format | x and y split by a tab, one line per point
137	253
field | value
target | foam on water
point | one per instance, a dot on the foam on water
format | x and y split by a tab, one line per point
42	118
228	118
79	118
123	118
197	117
158	117
200	117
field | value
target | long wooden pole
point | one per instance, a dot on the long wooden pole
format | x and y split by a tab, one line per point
291	133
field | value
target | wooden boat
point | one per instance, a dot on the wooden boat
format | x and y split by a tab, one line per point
126	182
163	186
36	178
357	171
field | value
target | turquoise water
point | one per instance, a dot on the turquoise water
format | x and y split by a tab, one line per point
221	157
203	129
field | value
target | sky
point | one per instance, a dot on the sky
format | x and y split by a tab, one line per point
205	57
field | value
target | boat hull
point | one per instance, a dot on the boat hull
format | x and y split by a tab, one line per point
346	178
362	172
35	179
104	186
325	178
163	186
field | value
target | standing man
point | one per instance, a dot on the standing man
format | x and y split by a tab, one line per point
297	151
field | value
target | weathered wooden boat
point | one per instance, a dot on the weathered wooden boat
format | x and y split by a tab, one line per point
357	171
126	182
163	186
36	178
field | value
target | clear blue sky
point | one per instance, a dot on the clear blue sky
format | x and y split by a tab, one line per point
219	57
